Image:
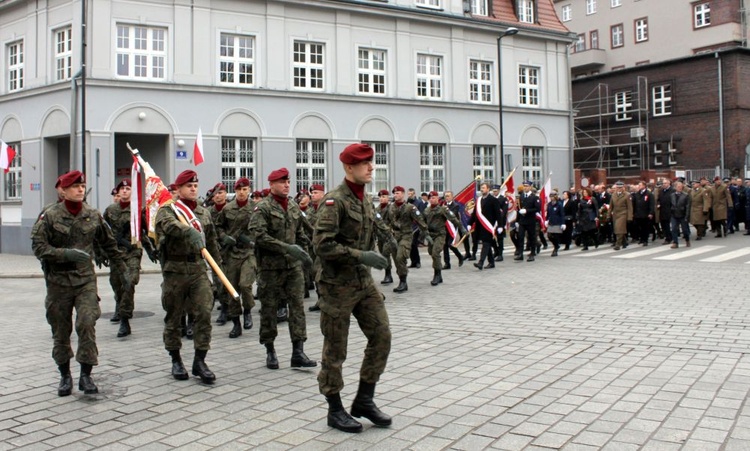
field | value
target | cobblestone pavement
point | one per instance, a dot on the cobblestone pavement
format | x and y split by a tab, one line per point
572	353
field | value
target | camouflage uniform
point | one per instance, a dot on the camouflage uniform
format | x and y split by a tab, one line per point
185	287
346	227
383	247
219	291
435	218
72	285
118	219
401	217
239	259
280	276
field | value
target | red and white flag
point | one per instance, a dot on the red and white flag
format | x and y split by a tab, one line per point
544	198
136	203
509	189
453	232
198	149
7	154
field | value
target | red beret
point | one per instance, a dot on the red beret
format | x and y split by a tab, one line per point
279	174
398	188
257	194
172	187
265	192
186	176
123	182
433	193
717	178
113	192
70	178
57	183
220	187
383	192
242	181
317	187
356	153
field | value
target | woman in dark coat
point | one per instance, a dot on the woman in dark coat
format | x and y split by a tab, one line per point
570	209
588	218
555	221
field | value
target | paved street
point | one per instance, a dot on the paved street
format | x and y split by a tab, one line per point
645	348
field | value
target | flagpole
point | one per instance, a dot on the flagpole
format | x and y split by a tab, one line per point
509	177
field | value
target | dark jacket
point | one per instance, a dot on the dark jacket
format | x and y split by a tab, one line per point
555	213
680	205
588	212
491	211
643	204
532	204
665	204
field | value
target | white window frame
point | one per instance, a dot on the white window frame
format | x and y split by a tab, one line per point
15	60
429	72
590	7
580	44
480	81
526	11
432	4
484	161
641	29
311	163
533	164
479	8
372	71
567	13
63	47
528	85
380	162
11	180
661	100
238	159
702	15
617	36
615	3
142	63
594	39
237	59
623	105
432	158
308	66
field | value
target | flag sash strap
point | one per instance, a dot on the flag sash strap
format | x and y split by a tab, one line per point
452	231
482	219
135	204
183	210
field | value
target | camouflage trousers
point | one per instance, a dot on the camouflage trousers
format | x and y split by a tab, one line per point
241	274
181	294
125	300
436	249
278	287
337	305
385	251
59	304
404	248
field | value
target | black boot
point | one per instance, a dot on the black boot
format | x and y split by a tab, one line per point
248	320
200	368
272	362
447	266
460	260
178	369
339	418
237	329
364	406
314	308
124	328
282	314
388	279
401	285
85	384
222	319
437	278
66	380
299	359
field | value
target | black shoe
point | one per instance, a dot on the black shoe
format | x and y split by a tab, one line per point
282	314
236	329
66	385
124	330
554	253
415	265
401	285
178	371
499	258
364	406
530	259
518	258
539	248
478	266
471	258
200	368
189	330
299	359
314	308
567	247
339	418
388	279
460	261
272	362
489	266
248	320
115	318
446	266
86	385
222	319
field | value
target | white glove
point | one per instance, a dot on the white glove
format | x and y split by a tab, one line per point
522	211
563	227
546	224
499	230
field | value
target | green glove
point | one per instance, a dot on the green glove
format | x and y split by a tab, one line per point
195	238
393	246
244	239
374	259
227	241
429	239
298	253
76	255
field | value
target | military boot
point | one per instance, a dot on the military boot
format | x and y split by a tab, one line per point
272	362
178	369
437	278
364	406
66	380
401	285
237	329
299	359
124	330
222	319
248	320
388	279
85	384
200	368
339	418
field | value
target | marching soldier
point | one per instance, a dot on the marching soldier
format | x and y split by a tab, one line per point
700	202
621	209
238	256
344	241
185	286
402	216
317	191
383	210
721	201
215	203
435	216
63	239
277	229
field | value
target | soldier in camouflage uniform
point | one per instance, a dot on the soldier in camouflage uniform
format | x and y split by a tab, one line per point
345	242
317	191
276	227
185	286
239	258
63	239
382	210
401	216
435	216
215	203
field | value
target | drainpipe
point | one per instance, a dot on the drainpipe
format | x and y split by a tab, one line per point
73	120
721	112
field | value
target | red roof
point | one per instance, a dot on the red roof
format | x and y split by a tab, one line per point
504	11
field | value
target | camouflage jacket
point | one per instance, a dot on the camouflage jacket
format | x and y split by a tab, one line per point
435	218
233	220
177	254
118	219
401	218
57	229
272	228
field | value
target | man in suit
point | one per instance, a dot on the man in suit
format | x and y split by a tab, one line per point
643	212
528	206
500	226
664	209
457	208
485	215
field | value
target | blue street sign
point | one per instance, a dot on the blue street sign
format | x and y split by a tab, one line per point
181	155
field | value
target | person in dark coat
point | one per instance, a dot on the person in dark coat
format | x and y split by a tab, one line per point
680	204
570	207
664	209
555	221
528	206
643	212
588	219
484	217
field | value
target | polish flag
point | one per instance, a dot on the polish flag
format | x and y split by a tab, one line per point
509	189
198	149
7	154
544	198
